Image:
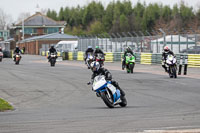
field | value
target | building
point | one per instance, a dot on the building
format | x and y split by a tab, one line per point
34	45
4	35
35	25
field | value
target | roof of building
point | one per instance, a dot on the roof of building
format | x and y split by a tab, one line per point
39	19
53	36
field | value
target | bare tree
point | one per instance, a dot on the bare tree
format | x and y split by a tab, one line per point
23	15
5	20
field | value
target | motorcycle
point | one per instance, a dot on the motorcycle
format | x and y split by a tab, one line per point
52	59
100	58
1	56
109	93
130	63
171	64
89	60
17	59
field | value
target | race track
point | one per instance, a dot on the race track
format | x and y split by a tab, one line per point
57	99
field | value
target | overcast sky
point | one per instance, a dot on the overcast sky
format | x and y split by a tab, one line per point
15	7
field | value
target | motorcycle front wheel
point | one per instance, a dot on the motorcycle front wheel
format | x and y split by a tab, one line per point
107	100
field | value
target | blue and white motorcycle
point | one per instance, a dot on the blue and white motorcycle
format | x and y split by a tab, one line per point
109	93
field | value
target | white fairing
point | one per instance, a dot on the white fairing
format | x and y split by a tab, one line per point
99	81
112	88
171	59
17	55
53	55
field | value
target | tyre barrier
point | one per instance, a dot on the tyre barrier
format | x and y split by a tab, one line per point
109	57
193	60
80	56
146	58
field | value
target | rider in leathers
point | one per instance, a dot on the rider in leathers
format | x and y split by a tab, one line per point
165	53
97	70
17	51
127	50
98	50
52	50
89	50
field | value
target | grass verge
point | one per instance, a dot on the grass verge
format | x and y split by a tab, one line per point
5	105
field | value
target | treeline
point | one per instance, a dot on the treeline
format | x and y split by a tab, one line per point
120	17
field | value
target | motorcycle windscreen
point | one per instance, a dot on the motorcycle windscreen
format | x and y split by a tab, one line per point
99	83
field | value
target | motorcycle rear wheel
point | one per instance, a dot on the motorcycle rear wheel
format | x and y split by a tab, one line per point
124	102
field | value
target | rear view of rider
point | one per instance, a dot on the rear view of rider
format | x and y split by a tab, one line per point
52	50
165	53
97	70
89	50
17	51
127	50
97	51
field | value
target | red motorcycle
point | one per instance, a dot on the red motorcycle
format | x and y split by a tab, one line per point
100	58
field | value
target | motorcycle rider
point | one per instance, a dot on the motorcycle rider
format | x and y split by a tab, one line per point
17	51
52	50
165	53
127	50
89	50
97	51
98	70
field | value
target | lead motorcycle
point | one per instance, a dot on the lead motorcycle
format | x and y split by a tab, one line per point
171	64
109	93
1	56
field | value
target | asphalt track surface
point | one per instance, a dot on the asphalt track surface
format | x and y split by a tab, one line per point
58	100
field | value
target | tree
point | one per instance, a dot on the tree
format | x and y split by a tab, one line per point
61	14
5	19
96	28
52	14
23	15
124	26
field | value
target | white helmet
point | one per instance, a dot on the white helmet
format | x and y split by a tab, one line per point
95	66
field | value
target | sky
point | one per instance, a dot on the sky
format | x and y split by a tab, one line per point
15	7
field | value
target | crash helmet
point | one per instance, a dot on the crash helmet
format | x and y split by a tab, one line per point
52	46
97	47
166	48
128	48
95	66
89	46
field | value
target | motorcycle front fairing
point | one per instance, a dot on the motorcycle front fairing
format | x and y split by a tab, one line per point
101	85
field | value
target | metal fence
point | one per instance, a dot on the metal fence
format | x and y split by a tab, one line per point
116	42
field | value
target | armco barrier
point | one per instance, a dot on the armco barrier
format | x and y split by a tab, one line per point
109	57
80	56
193	60
146	58
117	56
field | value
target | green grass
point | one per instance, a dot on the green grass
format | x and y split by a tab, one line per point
5	105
